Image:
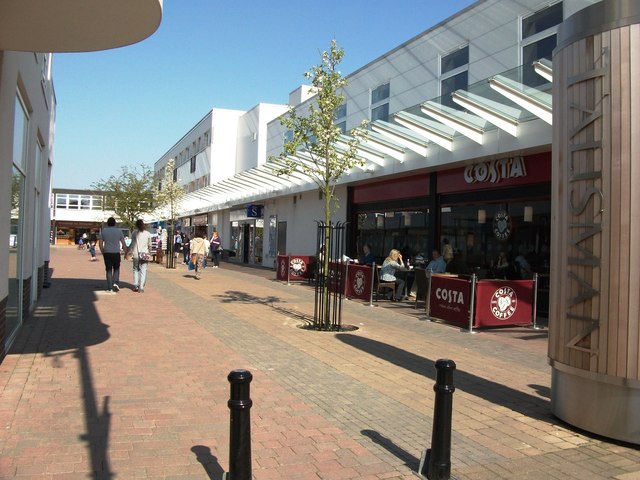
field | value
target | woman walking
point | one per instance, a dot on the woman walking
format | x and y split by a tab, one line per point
216	248
140	249
198	252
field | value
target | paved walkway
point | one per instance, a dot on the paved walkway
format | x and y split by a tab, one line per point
135	386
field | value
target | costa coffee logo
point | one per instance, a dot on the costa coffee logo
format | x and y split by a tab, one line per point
495	170
297	266
448	295
283	267
502	225
359	282
504	303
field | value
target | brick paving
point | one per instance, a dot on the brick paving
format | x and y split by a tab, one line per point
135	386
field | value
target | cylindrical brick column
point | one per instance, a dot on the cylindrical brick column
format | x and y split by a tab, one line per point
594	334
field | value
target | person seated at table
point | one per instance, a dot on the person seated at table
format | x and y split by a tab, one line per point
367	258
437	265
388	272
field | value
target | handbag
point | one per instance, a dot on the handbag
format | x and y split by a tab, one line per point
190	265
142	256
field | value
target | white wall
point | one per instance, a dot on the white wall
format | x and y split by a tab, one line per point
252	131
301	220
28	73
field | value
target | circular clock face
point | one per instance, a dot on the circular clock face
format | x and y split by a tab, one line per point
502	225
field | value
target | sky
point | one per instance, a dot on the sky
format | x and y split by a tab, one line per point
128	106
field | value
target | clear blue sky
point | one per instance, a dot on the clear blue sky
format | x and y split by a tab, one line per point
128	106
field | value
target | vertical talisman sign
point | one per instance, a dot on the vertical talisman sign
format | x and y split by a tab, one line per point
594	333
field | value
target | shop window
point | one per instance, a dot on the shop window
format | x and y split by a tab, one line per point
340	118
402	230
538	39
61	200
380	102
454	75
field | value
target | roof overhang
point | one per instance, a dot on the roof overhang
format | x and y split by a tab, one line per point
76	25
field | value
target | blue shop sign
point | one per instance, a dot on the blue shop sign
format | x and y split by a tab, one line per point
254	211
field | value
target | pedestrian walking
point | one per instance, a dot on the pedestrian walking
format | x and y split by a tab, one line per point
216	248
141	254
198	252
93	240
185	249
110	243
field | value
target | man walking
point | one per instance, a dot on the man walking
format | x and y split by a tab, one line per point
110	242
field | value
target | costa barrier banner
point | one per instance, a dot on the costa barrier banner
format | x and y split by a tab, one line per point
359	281
295	268
283	268
504	302
450	299
336	271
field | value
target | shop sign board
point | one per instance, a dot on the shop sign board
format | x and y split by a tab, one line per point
295	267
504	302
358	283
449	299
254	211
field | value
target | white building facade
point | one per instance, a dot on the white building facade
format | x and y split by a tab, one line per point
462	95
27	128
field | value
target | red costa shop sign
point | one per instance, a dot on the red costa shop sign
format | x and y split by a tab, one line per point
503	302
449	299
295	267
358	283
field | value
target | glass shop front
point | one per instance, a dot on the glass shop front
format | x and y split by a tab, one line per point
495	215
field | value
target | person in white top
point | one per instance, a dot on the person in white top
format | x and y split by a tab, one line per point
140	253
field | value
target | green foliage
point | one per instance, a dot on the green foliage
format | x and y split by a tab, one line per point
130	194
170	193
313	148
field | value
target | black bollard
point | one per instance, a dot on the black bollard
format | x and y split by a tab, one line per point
437	461
240	426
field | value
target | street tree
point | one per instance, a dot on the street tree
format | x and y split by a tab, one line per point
169	197
130	194
316	146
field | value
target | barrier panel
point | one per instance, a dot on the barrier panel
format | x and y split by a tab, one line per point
504	302
295	268
359	282
450	299
282	273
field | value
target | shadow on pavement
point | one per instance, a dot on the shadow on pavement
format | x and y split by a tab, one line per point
409	460
62	326
528	405
208	461
244	297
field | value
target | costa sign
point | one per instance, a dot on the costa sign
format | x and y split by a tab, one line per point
494	171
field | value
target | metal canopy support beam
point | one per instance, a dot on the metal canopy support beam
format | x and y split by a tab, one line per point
265	176
387	146
469	126
401	135
544	68
364	151
436	133
532	100
481	107
299	176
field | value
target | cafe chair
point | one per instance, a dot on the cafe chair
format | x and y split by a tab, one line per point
382	285
422	286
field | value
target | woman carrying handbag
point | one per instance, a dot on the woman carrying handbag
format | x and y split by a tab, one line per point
140	248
